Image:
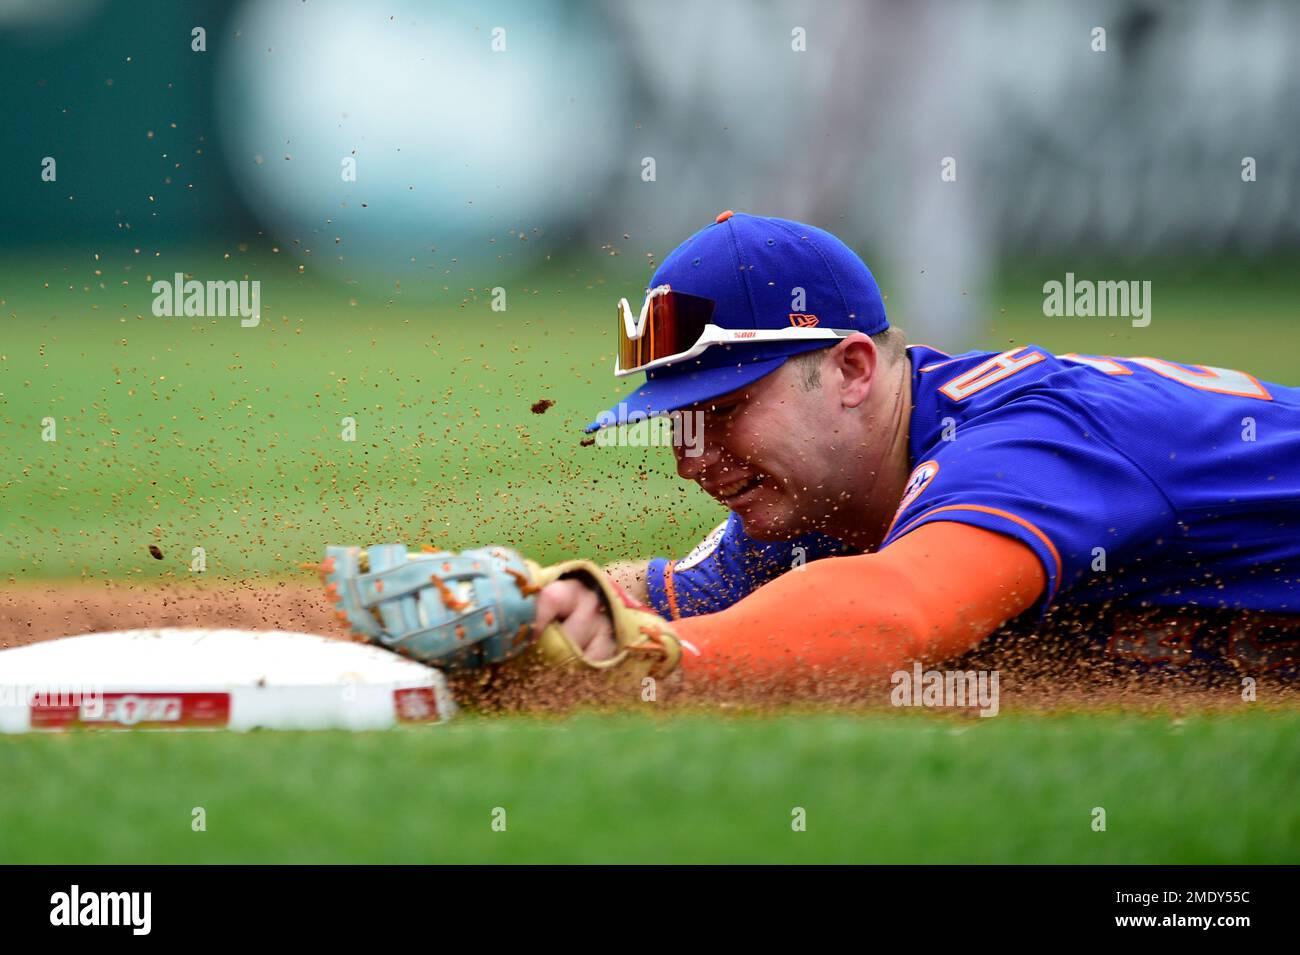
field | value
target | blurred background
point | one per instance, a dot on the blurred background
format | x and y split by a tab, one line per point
380	169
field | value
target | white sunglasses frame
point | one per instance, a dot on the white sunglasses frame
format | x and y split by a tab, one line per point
713	335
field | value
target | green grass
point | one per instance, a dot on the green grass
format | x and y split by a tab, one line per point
189	432
628	788
193	432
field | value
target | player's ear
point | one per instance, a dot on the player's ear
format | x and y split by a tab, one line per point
856	359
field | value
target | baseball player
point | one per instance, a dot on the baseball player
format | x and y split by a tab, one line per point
891	502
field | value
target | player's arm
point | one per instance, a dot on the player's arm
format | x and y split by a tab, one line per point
928	597
931	595
631	576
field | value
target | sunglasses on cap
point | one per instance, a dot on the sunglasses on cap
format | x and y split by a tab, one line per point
674	326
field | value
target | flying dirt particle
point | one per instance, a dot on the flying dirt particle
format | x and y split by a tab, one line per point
542	406
587	442
155	552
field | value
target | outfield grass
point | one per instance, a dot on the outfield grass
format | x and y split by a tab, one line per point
195	432
595	788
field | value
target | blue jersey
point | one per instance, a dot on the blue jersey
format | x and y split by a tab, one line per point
1136	481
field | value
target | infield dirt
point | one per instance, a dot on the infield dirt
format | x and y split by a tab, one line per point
1045	672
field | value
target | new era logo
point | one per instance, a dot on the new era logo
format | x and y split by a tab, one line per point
800	320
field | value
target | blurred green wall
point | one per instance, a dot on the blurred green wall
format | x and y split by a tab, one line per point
89	92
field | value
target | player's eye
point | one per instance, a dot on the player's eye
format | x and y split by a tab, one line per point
723	410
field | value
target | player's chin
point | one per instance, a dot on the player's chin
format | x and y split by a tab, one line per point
768	520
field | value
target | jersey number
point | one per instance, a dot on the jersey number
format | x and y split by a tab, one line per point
994	370
1222	381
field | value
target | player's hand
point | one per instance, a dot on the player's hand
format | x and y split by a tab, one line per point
581	613
490	605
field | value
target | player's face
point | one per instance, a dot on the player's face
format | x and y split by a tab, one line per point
763	455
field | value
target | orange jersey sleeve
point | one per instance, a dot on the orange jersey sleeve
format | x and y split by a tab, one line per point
930	595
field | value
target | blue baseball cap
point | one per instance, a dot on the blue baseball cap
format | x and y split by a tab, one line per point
755	270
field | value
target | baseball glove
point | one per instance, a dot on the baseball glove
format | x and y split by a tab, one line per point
468	610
